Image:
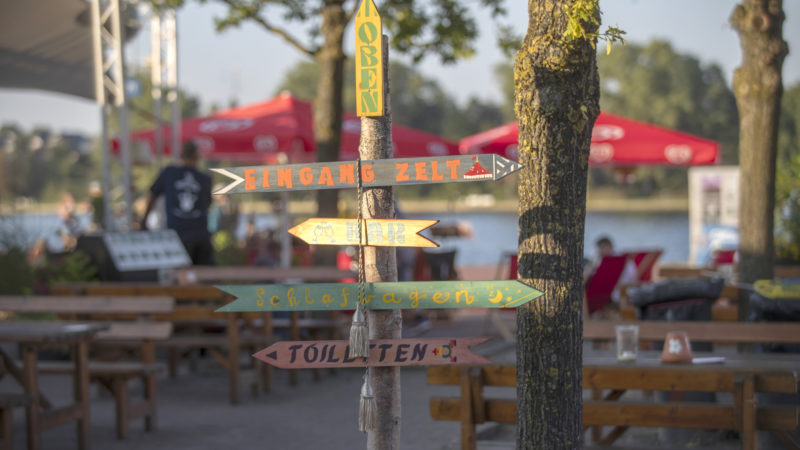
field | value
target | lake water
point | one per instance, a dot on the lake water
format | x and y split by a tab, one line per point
494	233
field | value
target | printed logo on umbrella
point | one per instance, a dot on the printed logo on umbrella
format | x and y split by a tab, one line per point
601	153
607	133
678	154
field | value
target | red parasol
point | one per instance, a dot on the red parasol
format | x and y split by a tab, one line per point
616	141
261	132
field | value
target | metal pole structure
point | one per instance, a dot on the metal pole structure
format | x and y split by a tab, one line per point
170	23
380	264
103	83
121	103
156	72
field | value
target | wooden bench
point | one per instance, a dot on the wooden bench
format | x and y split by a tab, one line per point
7	404
127	317
741	378
196	308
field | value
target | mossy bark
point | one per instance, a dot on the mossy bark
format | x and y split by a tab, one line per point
328	109
556	102
758	88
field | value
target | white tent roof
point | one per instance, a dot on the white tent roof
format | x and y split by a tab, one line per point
46	44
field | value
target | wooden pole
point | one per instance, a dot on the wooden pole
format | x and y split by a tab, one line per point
380	265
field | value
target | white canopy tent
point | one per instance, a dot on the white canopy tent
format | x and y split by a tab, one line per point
75	47
46	44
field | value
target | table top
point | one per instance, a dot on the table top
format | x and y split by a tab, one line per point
735	362
33	332
260	274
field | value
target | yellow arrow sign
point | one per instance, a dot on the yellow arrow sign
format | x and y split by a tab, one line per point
369	60
374	232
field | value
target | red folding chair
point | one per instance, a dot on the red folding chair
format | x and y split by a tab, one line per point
604	280
645	261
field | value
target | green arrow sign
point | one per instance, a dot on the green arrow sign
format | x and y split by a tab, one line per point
407	295
381	172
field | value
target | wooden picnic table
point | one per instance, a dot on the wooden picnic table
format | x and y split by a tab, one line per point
743	375
33	337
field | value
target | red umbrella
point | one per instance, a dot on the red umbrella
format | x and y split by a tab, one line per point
616	141
260	132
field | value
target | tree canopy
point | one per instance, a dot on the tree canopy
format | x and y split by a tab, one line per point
417	101
656	84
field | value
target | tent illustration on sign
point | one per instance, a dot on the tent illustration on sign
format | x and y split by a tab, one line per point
477	172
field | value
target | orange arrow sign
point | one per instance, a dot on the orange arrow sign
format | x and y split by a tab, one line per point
386	352
374	232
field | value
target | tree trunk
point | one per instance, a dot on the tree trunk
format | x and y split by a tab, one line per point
328	109
757	86
381	265
557	94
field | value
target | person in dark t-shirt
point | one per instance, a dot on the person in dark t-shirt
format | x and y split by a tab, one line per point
187	196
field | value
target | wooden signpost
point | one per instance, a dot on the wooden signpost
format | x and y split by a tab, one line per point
379	296
375	172
386	352
374	232
369	61
381	172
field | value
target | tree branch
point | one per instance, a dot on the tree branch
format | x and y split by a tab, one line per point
294	42
353	11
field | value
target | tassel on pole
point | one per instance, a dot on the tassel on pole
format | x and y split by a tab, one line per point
367	410
359	339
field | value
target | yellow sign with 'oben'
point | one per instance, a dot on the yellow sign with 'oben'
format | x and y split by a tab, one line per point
369	60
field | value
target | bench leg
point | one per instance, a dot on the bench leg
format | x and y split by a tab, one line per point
31	386
468	436
82	392
16	372
6	428
172	361
266	372
596	431
149	381
233	357
745	402
121	398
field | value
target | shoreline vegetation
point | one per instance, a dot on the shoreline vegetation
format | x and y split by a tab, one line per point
468	204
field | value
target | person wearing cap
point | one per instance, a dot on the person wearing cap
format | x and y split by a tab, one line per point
187	197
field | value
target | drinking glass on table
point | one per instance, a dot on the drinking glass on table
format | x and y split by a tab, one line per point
627	342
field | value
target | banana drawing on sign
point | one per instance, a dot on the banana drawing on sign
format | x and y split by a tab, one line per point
374	232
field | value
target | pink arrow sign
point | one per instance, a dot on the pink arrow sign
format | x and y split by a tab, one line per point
389	352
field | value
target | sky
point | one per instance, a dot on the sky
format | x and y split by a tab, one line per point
247	63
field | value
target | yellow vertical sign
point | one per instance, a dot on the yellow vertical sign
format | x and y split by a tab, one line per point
369	60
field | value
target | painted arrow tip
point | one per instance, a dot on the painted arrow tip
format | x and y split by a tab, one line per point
504	166
296	231
237	180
